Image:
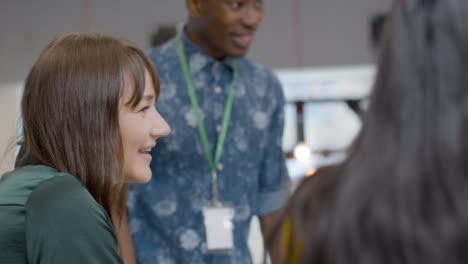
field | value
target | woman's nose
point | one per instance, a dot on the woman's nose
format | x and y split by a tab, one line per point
160	127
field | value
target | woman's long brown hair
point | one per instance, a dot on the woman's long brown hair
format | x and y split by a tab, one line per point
70	110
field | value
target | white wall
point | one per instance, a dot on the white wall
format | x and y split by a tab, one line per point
9	109
316	32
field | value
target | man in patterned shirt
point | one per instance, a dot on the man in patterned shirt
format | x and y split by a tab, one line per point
165	216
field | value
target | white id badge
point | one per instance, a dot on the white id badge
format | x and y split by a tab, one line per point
218	229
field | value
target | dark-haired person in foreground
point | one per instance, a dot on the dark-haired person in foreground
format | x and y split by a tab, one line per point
88	121
223	158
401	195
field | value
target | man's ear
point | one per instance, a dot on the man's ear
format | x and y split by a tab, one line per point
194	7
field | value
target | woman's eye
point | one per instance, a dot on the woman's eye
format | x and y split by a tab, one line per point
143	110
258	3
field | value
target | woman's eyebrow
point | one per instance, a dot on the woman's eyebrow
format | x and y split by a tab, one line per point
148	97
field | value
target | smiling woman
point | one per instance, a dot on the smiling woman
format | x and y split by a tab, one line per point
88	119
139	127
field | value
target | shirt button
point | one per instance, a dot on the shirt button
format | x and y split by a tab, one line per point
217	89
220	166
218	128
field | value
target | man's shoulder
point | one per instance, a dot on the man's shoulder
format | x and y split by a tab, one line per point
255	67
251	63
160	53
257	73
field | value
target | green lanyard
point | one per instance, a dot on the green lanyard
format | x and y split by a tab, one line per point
201	129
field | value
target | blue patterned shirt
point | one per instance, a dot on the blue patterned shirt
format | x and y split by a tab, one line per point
165	216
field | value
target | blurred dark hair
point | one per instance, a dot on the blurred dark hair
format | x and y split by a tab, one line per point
377	24
162	34
401	195
70	110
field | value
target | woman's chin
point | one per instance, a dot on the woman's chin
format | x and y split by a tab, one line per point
139	178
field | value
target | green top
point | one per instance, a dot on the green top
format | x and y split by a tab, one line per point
50	217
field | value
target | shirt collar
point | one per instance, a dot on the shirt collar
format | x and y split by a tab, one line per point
191	48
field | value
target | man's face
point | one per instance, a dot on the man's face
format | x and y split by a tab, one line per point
227	27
